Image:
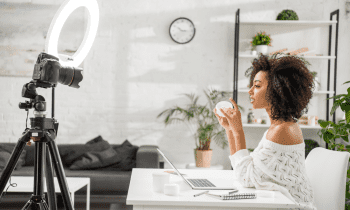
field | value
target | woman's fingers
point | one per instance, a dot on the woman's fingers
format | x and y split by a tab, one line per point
235	107
216	114
224	113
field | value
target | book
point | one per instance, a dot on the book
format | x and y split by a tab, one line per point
233	196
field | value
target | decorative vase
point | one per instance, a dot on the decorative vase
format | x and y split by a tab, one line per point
203	158
317	86
262	49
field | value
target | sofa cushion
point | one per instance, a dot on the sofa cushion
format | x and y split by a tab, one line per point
127	154
101	182
69	153
5	154
96	159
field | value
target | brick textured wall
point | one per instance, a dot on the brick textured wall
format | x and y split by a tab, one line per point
134	71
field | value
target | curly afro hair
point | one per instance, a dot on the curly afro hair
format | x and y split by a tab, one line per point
289	88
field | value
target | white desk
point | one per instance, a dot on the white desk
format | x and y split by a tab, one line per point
212	167
26	184
141	195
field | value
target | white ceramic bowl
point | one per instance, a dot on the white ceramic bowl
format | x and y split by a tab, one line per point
222	104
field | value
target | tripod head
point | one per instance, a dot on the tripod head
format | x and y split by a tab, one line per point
39	123
36	101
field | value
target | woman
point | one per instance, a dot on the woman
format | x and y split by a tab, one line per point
282	86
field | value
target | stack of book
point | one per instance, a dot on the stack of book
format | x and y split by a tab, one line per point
308	120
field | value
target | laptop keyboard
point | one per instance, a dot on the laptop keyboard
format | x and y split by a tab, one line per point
201	183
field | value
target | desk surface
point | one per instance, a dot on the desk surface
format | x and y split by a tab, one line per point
140	192
26	184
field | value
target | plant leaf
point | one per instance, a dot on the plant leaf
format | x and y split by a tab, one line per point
323	123
334	107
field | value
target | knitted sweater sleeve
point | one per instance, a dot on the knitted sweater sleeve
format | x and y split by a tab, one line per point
275	167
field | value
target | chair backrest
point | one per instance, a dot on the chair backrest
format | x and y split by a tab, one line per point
326	170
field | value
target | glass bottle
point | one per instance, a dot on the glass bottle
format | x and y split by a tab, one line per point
250	116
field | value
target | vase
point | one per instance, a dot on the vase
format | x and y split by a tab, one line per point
203	158
262	49
317	86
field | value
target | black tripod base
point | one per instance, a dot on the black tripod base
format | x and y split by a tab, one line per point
36	203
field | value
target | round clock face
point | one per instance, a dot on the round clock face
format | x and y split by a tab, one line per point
182	30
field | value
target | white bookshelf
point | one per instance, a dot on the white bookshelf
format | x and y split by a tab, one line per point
311	23
282	25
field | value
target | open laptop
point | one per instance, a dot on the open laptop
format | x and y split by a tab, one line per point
203	184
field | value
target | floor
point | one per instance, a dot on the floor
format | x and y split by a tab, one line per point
21	200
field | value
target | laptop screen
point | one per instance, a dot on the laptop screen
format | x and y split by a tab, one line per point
160	152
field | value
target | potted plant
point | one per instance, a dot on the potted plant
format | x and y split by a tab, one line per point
287	15
330	131
261	41
202	122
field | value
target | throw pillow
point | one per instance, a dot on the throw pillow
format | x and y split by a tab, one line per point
127	154
96	159
97	144
5	154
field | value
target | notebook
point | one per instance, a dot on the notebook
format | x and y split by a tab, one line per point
203	184
233	196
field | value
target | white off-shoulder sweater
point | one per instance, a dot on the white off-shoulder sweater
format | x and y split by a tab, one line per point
276	167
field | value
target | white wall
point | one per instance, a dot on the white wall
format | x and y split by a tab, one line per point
134	71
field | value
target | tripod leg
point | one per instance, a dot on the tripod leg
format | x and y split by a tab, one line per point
28	205
46	206
6	173
50	181
39	153
61	177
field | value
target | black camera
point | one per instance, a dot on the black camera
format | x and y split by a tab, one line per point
48	71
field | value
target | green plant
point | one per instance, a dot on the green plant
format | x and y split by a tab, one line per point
200	119
331	131
287	15
261	39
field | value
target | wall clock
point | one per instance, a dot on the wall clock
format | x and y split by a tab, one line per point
182	30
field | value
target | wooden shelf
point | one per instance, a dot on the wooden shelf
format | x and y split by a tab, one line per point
268	125
312	57
290	22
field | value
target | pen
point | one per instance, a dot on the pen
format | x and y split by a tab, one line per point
200	193
232	192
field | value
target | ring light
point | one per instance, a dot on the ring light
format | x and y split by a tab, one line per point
57	23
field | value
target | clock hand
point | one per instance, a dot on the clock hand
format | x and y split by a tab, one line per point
180	29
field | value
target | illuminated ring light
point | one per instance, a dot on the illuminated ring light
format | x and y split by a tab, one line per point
56	26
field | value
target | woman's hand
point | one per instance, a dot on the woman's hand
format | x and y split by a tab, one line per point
222	120
233	117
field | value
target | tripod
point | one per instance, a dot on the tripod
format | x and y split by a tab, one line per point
43	132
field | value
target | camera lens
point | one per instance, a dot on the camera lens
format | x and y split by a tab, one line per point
70	76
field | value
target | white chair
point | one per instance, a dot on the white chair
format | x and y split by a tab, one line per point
327	170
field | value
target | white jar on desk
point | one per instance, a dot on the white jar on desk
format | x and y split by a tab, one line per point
212	167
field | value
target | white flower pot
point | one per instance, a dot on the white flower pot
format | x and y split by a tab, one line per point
262	49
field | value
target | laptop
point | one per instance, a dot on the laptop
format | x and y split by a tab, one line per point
203	184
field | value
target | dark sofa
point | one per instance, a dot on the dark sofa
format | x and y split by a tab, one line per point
108	185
